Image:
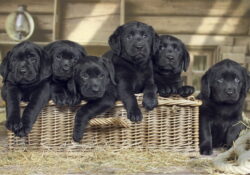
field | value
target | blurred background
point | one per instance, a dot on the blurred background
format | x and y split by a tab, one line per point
211	29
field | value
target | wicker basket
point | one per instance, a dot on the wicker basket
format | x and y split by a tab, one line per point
172	126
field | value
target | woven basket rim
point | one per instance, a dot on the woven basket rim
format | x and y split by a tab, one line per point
172	100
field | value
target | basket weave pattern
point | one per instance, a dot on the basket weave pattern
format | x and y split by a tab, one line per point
173	126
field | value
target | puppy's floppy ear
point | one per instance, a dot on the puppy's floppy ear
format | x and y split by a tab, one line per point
49	48
115	41
81	50
71	85
246	83
45	64
4	67
155	41
110	68
205	85
185	58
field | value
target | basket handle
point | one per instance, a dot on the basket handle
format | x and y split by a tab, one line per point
110	122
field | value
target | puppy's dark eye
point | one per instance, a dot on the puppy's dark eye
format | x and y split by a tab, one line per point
162	47
237	80
221	80
30	55
75	59
101	76
33	59
129	36
59	57
175	47
85	76
144	35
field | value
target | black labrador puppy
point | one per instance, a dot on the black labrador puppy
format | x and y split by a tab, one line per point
64	55
94	81
170	60
223	92
133	45
26	70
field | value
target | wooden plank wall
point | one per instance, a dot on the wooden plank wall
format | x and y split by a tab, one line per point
42	12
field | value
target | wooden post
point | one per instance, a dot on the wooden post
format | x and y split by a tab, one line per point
56	20
122	12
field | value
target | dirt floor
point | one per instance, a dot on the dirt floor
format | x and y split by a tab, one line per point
103	162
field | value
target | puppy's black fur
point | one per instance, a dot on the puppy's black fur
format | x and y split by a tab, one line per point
170	60
133	45
94	81
224	88
25	70
64	55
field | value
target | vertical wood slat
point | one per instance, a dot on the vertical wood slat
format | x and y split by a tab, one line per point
122	12
56	20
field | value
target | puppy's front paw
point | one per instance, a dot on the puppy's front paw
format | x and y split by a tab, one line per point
59	99
135	114
185	91
75	100
149	101
165	92
23	132
77	135
206	150
14	124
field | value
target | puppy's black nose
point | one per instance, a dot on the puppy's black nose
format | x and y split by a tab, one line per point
170	57
23	70
95	88
66	67
139	47
66	64
229	91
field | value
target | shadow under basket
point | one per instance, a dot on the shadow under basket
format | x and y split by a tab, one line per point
172	126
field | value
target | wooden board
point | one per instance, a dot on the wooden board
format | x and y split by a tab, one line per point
96	50
196	25
41	36
42	21
238	57
188	7
205	40
95	23
33	6
234	49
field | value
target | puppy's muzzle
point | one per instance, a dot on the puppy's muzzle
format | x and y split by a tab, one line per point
230	91
66	66
139	48
170	57
95	88
23	70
